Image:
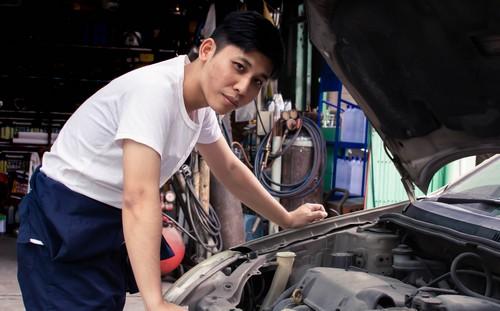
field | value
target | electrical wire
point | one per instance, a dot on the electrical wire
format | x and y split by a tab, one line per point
209	221
460	271
310	181
179	226
205	227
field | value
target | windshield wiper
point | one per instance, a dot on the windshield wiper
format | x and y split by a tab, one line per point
457	199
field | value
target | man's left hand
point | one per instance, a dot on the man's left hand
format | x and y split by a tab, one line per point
305	214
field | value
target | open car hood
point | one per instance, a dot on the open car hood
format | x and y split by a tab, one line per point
426	74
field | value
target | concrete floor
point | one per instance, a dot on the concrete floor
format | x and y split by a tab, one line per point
10	294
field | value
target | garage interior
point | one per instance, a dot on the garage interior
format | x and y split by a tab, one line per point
304	130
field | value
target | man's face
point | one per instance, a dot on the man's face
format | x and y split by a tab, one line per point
232	78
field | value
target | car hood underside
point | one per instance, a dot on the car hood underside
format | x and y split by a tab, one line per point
426	74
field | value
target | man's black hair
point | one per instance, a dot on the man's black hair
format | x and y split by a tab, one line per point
250	31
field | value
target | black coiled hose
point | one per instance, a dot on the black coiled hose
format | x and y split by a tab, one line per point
454	272
461	287
311	180
206	227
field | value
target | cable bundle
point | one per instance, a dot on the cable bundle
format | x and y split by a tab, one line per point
205	227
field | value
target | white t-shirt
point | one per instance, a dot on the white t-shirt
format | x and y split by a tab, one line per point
145	105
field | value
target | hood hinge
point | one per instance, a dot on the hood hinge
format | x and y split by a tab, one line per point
410	189
407	183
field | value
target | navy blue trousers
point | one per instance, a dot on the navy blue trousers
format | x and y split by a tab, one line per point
83	263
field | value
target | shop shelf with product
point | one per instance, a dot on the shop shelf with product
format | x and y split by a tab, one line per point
346	132
24	137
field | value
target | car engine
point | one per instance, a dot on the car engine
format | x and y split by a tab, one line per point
394	263
380	273
354	290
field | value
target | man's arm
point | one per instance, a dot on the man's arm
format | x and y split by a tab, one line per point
243	184
142	222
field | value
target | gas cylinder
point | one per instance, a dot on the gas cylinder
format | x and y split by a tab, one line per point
296	164
174	240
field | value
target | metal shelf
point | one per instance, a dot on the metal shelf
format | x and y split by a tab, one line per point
330	83
43	120
53	78
56	46
23	148
346	145
350	145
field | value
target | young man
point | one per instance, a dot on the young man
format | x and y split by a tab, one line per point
98	186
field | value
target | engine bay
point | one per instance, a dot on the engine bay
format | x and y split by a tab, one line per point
395	263
387	266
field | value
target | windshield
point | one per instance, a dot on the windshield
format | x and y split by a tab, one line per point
483	183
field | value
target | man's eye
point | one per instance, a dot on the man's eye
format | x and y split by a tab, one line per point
238	66
259	83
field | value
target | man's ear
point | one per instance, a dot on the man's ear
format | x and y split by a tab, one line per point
207	49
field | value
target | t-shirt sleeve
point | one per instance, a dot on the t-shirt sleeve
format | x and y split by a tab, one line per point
144	116
210	130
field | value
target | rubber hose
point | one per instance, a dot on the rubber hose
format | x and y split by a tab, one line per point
197	218
461	287
311	180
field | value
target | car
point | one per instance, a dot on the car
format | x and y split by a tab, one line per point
426	74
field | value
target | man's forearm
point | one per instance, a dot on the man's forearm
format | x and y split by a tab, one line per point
243	184
142	230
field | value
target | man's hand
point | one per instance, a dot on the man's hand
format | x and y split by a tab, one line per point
306	214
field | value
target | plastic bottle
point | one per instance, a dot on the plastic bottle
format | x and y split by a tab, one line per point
356	177
359	172
342	126
346	128
360	126
339	176
363	127
347	173
355	125
341	180
343	174
345	179
351	125
352	181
